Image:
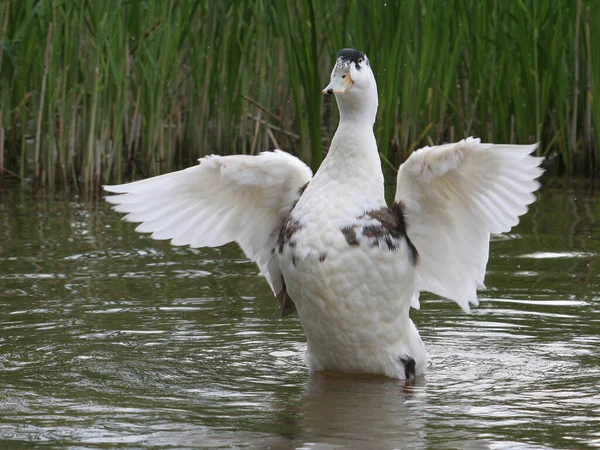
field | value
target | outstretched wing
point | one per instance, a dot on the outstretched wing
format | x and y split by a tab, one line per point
237	198
454	196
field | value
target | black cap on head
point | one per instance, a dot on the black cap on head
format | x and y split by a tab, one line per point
350	55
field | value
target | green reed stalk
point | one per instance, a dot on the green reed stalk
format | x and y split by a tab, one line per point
593	90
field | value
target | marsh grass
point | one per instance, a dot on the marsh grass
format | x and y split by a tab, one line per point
93	92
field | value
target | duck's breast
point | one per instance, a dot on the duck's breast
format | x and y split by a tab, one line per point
350	271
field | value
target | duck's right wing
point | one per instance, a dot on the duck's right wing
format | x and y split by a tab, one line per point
237	198
454	196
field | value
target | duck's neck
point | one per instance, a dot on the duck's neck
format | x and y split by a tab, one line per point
353	160
354	142
359	109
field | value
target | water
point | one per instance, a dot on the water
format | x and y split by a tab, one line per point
110	339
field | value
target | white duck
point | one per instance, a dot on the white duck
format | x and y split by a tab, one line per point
329	245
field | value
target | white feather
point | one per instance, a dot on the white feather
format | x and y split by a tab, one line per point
455	195
223	199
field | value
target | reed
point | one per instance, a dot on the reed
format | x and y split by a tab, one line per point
102	92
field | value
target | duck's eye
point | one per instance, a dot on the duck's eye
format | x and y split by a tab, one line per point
343	76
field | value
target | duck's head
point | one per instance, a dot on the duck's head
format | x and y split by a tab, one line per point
353	83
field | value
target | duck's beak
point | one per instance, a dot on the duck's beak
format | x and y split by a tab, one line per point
339	84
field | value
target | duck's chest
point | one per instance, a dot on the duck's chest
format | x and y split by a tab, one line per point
319	226
331	247
350	273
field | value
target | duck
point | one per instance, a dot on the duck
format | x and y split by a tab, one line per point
329	245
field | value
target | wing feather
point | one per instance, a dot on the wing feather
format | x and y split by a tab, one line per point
224	199
455	196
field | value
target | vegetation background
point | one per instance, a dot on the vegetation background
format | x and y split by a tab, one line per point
93	92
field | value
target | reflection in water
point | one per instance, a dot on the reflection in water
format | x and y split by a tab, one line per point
109	338
372	412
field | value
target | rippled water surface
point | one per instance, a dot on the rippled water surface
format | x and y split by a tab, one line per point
110	339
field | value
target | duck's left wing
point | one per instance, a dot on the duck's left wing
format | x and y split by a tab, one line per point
453	197
237	198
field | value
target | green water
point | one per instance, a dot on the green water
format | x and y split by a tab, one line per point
110	339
